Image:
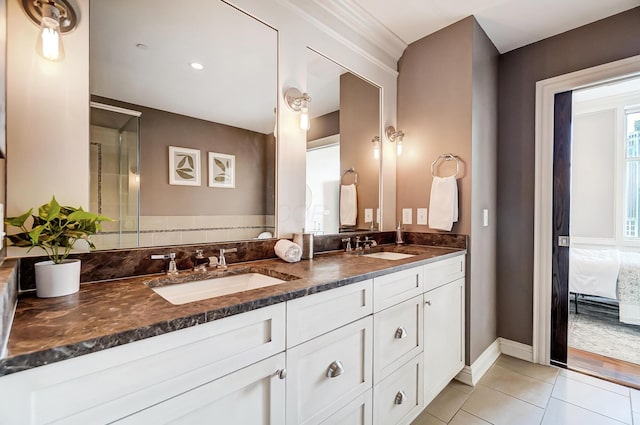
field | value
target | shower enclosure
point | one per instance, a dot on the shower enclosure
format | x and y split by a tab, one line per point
114	174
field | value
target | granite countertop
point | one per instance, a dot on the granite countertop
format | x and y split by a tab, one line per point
111	313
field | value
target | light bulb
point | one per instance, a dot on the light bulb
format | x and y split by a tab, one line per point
376	147
304	118
49	43
399	147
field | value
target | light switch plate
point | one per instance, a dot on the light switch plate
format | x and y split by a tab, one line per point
485	217
407	216
421	216
368	215
377	215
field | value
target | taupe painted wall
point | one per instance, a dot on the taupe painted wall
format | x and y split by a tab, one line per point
447	103
255	166
324	125
604	41
359	123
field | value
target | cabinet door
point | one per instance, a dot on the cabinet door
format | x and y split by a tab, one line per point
324	374
443	336
253	395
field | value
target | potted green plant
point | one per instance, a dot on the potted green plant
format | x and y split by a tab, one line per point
56	229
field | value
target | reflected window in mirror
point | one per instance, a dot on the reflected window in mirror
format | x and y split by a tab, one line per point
342	174
141	59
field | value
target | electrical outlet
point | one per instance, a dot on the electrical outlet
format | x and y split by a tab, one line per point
421	216
407	216
377	215
368	215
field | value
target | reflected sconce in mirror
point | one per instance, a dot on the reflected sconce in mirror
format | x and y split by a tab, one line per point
395	136
54	17
299	102
376	147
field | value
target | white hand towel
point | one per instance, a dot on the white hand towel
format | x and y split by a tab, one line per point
288	251
348	205
443	205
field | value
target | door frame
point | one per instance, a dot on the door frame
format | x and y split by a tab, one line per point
543	209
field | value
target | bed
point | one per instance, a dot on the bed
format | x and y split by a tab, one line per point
608	273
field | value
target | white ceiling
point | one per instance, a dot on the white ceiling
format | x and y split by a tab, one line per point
508	23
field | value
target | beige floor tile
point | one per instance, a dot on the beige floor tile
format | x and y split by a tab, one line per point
561	413
501	409
427	419
464	418
635	400
461	387
605	385
593	398
447	403
547	374
520	386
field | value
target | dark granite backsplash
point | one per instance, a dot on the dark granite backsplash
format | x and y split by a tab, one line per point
121	263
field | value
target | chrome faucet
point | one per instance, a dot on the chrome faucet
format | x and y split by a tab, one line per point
357	244
347	242
369	243
172	269
222	262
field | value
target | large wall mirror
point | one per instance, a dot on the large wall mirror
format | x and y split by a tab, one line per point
343	142
182	122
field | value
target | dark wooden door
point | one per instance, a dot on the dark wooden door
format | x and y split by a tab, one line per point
561	204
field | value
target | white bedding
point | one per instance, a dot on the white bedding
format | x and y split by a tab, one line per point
594	271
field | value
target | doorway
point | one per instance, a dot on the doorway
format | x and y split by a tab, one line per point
595	317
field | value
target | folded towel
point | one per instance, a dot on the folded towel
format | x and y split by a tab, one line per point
288	251
348	205
443	205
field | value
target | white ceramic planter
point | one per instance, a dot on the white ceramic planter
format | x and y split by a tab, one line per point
56	280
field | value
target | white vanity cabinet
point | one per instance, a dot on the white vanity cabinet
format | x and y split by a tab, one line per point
444	311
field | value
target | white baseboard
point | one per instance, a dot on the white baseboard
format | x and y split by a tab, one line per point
471	375
516	349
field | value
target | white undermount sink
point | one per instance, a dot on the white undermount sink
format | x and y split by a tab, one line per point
386	255
182	293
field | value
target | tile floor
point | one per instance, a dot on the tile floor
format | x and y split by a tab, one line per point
515	392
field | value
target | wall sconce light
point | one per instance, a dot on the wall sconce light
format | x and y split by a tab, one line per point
54	17
395	136
299	102
376	147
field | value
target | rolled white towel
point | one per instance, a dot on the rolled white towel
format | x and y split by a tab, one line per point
288	251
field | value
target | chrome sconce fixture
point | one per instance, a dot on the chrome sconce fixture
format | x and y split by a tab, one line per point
395	136
376	147
54	17
299	102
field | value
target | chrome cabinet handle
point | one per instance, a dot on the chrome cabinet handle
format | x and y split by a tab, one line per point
428	302
401	397
335	369
401	332
281	373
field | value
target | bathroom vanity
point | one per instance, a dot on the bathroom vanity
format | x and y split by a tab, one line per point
354	340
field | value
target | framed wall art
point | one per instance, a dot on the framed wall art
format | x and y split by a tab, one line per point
184	166
222	170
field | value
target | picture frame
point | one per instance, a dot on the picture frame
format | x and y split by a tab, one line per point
222	170
184	166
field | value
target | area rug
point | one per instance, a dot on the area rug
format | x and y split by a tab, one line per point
597	330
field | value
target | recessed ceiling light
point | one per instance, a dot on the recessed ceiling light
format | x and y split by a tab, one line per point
196	65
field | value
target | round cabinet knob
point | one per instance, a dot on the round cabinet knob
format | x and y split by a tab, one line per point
428	302
401	332
335	369
401	397
281	373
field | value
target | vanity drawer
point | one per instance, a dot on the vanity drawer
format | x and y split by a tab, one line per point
397	400
357	412
314	315
397	336
396	287
110	384
324	374
443	271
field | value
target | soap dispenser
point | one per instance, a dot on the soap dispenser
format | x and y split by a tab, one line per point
200	262
399	240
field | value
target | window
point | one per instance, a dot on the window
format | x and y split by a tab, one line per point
632	176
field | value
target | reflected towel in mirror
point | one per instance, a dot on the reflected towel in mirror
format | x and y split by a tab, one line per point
348	205
443	205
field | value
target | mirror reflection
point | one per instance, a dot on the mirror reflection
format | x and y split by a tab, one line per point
342	168
182	122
